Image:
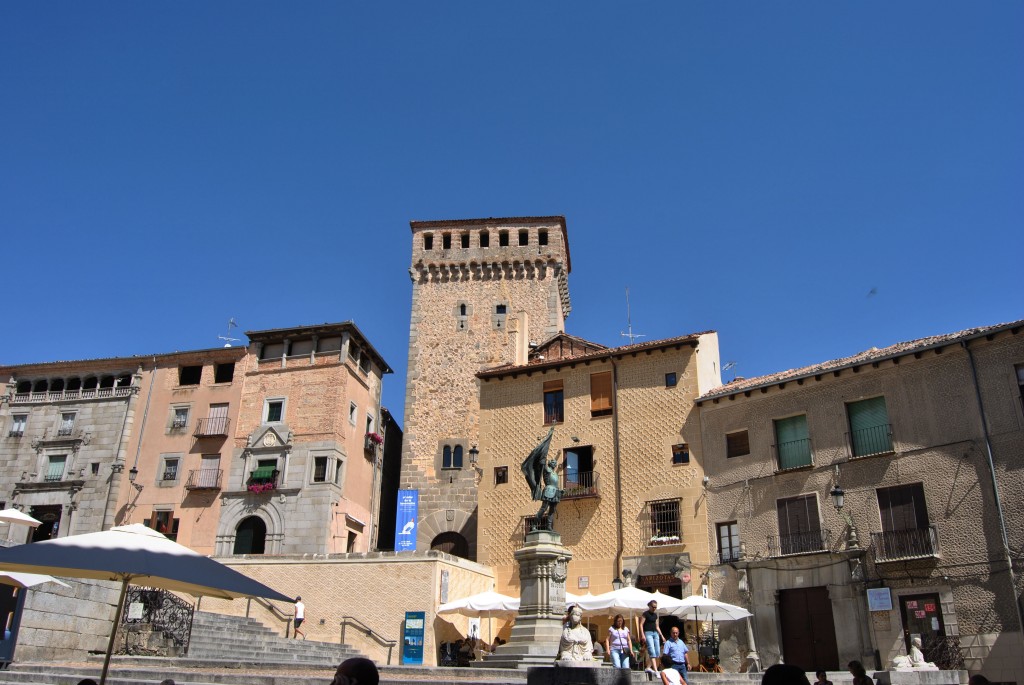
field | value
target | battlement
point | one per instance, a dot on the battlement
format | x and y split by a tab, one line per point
479	243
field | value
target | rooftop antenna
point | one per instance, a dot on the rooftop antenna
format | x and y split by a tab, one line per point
227	338
629	323
729	366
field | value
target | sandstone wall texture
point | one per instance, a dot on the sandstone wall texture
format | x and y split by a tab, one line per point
65	624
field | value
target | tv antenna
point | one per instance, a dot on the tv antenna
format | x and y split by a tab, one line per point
227	338
629	323
729	366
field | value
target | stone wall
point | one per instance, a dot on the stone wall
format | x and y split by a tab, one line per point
65	624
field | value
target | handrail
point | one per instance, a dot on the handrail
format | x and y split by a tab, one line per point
277	613
381	640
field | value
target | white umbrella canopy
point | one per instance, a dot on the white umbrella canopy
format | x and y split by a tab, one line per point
484	603
15	516
26	580
704	609
627	598
135	554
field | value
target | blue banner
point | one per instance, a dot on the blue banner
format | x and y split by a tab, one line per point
405	520
412	640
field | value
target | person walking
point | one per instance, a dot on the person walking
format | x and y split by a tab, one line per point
619	642
648	626
675	649
300	616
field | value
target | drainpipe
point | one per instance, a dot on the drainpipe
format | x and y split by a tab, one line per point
118	466
995	486
618	466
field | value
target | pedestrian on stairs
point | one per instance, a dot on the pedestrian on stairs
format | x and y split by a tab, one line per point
300	616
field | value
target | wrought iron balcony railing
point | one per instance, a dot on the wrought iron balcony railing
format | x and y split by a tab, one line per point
65	431
867	442
915	543
727	556
53	477
203	479
15	433
794	454
580	485
798	543
212	426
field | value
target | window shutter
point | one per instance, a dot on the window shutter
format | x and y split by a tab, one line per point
737	444
868	427
601	392
792	444
550	386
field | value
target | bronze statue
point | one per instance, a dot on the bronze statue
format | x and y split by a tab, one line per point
542	477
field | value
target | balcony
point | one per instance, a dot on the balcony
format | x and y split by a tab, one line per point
372	442
179	424
203	479
68	395
897	545
728	556
868	442
262	479
798	543
16	433
795	454
581	485
213	426
53	477
65	431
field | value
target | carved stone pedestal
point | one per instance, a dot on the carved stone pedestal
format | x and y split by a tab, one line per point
543	565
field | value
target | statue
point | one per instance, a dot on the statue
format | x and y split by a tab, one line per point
575	644
542	477
915	660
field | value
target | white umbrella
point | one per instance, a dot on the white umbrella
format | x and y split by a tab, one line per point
15	516
627	598
483	603
704	609
135	554
25	580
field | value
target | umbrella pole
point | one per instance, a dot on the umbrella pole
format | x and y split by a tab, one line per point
113	631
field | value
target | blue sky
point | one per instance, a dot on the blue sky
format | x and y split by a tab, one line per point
753	168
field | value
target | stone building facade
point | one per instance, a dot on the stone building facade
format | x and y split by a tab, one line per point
628	447
901	435
305	475
65	431
473	282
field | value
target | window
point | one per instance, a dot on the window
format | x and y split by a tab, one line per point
500	475
190	375
164	522
728	542
465	241
792	445
332	344
601	393
542	237
524	237
663	522
369	423
320	469
501	309
180	418
579	480
671	380
364	363
18	422
554	398
55	467
905	529
301	348
95	468
462	309
350	545
170	470
451	457
485	239
680	454
737	444
273	411
67	423
799	527
446	241
869	427
428	241
224	373
1020	382
503	238
337	471
272	351
353	410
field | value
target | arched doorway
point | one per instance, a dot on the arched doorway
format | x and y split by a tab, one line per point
451	543
251	536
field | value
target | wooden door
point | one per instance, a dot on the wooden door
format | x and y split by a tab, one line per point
808	629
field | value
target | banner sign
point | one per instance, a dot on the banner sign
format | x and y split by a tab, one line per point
879	599
412	640
405	520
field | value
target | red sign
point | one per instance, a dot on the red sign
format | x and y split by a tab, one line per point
920	614
912	604
929	607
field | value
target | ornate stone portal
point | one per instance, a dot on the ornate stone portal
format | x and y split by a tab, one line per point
543	566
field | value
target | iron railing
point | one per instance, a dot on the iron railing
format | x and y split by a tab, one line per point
178	424
212	426
164	611
64	431
369	632
64	395
203	479
914	543
794	454
15	433
662	524
580	485
944	651
798	543
867	442
728	556
170	475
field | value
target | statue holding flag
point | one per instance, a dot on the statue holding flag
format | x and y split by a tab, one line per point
542	477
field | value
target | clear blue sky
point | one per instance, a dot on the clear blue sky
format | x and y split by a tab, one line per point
754	168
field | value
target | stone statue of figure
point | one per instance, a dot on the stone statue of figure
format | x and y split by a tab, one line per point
915	660
542	477
575	644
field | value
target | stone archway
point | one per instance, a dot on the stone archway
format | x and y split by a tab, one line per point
451	543
251	536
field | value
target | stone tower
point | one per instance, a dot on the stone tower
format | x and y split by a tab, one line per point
483	290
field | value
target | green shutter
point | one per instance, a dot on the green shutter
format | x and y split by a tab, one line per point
869	427
792	443
263	473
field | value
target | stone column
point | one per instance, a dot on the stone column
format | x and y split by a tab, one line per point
543	566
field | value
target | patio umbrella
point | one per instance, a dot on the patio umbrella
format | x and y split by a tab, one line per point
13	516
135	554
485	604
705	609
26	580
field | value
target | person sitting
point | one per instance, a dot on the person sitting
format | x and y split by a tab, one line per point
822	678
860	676
670	674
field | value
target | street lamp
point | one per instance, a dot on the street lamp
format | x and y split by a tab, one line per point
838	497
133	473
474	453
617	583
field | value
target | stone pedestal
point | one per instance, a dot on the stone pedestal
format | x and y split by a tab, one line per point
553	675
543	566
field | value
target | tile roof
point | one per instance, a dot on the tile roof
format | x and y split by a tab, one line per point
867	356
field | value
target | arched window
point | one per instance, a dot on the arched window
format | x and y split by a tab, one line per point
57	385
457	457
90	383
40	386
107	382
446	457
74	384
251	536
24	386
462	309
451	543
